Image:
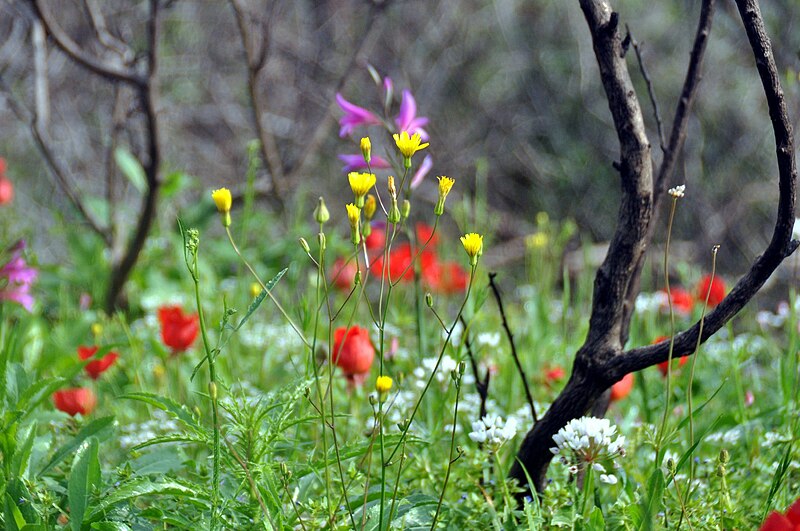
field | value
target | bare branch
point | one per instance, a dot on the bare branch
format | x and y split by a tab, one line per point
650	92
41	89
79	55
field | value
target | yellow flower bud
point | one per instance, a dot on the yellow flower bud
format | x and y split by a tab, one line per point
354	216
255	289
445	184
223	200
392	189
366	149
370	206
383	384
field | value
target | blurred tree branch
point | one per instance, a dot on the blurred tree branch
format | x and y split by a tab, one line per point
601	361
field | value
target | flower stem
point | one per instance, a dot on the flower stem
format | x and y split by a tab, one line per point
450	459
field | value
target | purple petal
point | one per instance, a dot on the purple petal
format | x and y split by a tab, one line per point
354	116
17	271
388	85
424	168
408	111
19	295
356	162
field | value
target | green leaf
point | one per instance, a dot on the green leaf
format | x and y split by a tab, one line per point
596	520
169	406
651	503
131	168
142	486
97	428
22	455
173	183
84	476
260	298
110	526
37	393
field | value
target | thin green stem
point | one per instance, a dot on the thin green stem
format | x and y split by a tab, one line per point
450	459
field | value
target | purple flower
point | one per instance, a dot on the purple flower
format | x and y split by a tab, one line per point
18	278
423	170
354	116
356	162
408	120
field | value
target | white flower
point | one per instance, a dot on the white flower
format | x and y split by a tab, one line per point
589	441
492	430
678	191
611	479
491	339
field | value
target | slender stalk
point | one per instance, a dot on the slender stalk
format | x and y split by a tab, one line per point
450	459
264	287
192	245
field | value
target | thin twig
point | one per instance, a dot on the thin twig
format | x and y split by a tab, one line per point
650	92
482	386
513	346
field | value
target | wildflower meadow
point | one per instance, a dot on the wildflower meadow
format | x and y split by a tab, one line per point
363	328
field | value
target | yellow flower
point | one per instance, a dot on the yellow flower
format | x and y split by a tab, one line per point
445	184
408	146
97	329
222	198
383	384
354	216
361	183
537	240
366	149
255	289
370	205
473	245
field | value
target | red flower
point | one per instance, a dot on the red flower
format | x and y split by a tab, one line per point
178	330
76	400
424	232
446	278
6	190
778	522
96	367
343	274
376	239
622	388
556	374
715	289
352	350
663	366
682	301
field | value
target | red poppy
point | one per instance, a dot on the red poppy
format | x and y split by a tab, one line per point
76	400
622	388
376	239
682	301
400	262
352	350
96	367
425	232
178	330
555	374
715	289
663	366
446	278
779	522
343	273
6	190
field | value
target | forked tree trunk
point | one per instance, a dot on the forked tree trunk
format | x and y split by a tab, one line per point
601	361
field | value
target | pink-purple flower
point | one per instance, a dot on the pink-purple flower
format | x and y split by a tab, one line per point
356	162
354	116
16	278
407	120
422	171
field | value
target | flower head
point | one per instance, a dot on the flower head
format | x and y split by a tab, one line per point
713	288
678	191
622	388
383	384
353	352
6	190
473	245
18	277
779	522
589	441
408	146
682	301
76	400
366	149
361	183
407	119
493	431
96	367
354	116
178	330
445	184
222	198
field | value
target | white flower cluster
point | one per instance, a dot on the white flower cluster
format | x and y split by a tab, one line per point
493	431
678	191
587	441
135	434
767	319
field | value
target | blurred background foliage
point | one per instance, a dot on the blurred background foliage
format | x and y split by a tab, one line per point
511	89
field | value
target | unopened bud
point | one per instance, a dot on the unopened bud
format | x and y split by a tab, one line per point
429	299
304	245
357	278
370	205
212	391
323	242
724	456
321	214
394	213
406	210
392	189
366	149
